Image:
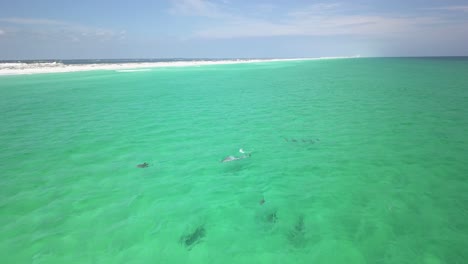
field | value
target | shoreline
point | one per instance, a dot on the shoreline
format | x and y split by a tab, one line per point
8	69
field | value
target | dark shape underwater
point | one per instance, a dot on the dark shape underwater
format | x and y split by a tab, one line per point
193	238
271	217
297	235
143	165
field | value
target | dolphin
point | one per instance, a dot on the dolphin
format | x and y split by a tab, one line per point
229	158
232	158
143	165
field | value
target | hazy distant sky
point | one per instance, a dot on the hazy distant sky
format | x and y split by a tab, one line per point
64	29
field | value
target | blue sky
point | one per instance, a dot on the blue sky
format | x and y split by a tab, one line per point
66	29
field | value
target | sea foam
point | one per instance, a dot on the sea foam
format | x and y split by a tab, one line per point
18	68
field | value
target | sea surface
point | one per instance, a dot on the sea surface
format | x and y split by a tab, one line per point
351	161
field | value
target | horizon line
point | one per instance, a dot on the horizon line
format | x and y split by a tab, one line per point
234	58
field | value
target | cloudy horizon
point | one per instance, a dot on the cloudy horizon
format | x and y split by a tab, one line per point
231	29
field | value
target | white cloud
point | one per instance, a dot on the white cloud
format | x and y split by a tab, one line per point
319	19
451	8
315	9
31	21
47	28
305	25
196	8
2	32
264	8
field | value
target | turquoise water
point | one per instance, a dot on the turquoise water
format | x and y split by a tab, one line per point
353	161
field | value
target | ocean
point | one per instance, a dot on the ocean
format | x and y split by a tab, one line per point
359	160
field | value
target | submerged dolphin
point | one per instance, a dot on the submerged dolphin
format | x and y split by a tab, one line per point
143	165
232	158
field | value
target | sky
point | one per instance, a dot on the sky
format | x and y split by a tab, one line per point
98	29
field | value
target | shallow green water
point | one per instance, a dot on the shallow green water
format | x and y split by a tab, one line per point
357	160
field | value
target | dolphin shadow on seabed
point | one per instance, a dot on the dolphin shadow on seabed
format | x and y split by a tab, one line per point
297	235
271	217
267	217
193	238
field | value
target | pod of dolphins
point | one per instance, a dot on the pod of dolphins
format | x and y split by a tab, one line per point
309	141
296	235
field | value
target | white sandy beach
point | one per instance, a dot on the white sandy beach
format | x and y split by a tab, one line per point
21	68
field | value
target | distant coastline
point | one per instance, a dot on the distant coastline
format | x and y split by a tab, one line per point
52	66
